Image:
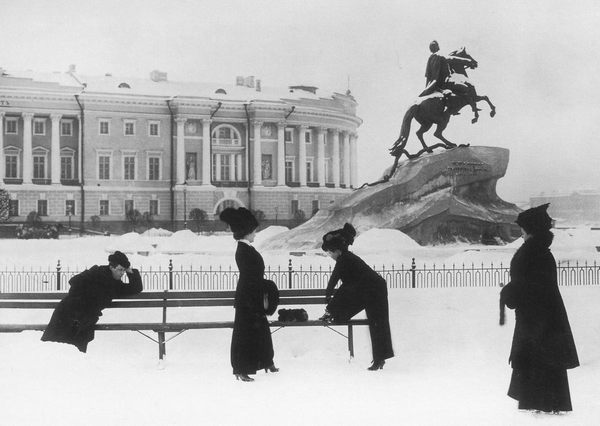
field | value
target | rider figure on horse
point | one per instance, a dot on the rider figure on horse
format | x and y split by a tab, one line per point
437	73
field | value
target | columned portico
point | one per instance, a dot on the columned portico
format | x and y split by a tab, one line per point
346	164
322	133
206	151
257	155
55	149
2	171
336	158
27	148
281	153
180	149
302	154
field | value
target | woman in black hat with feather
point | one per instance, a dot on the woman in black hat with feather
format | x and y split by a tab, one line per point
361	288
543	348
251	343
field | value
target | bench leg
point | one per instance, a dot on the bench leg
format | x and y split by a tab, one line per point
350	341
162	347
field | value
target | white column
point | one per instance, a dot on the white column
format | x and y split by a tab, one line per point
79	149
180	163
346	164
2	162
335	158
27	148
206	151
302	154
257	155
55	149
353	161
321	156
217	166
239	167
281	153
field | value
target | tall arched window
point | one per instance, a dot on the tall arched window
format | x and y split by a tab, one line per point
228	154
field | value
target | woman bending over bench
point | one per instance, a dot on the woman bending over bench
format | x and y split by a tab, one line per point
251	343
91	291
362	288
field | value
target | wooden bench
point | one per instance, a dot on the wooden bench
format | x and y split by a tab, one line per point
175	299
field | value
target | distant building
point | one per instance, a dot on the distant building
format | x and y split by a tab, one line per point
576	207
101	146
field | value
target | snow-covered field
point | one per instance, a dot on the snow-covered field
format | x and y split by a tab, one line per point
450	366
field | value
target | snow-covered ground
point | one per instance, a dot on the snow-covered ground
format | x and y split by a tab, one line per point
450	366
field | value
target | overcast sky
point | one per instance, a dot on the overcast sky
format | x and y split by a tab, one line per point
538	63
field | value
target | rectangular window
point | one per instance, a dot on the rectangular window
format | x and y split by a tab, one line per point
39	167
66	168
104	208
69	207
104	127
129	128
12	166
153	168
11	126
309	171
42	207
66	128
153	207
129	168
104	167
225	167
289	171
308	137
153	129
39	126
128	206
288	135
13	208
294	206
315	206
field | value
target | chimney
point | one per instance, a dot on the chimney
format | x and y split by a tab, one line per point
71	68
249	81
157	76
258	86
239	80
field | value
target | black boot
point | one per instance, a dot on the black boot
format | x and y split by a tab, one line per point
377	365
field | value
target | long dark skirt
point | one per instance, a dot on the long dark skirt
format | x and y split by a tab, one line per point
541	389
350	300
251	343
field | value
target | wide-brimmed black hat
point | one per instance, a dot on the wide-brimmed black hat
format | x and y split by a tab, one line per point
535	219
241	221
118	258
339	239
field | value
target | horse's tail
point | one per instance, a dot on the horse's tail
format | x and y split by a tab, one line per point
396	149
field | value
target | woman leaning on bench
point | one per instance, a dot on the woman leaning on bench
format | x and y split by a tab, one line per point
75	317
251	343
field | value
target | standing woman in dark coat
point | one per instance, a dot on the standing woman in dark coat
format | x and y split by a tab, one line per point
251	343
361	288
91	291
543	347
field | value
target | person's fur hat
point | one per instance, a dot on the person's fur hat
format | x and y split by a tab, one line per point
118	258
339	239
535	220
241	221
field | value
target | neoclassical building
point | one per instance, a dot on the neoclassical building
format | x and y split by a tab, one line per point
81	146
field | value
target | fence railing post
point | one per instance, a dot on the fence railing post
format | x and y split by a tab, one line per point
413	273
58	276
290	273
170	274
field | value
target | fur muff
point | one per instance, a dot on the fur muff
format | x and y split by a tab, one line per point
292	315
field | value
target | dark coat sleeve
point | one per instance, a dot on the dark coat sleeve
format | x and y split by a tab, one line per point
133	287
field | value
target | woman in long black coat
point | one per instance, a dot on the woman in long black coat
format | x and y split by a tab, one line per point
361	288
91	291
543	347
251	343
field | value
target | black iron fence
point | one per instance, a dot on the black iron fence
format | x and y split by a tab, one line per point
225	278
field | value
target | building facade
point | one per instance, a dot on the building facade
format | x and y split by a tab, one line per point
79	147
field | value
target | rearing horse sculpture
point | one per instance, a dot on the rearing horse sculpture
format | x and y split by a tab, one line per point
437	108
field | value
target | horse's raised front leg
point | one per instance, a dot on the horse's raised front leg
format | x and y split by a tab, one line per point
485	98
